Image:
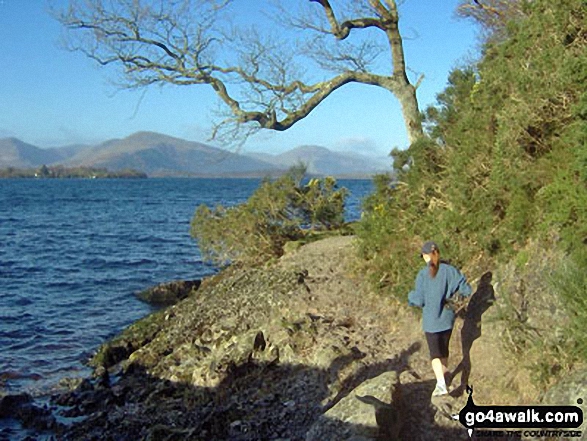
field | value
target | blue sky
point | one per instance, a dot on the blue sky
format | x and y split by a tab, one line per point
51	97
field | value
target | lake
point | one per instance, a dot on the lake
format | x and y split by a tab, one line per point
73	253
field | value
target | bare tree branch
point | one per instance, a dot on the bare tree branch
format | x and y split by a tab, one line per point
258	79
488	8
342	30
492	15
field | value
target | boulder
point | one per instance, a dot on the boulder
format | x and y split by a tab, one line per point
571	391
169	293
10	404
22	408
372	411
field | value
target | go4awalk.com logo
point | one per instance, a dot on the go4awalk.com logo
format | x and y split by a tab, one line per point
545	421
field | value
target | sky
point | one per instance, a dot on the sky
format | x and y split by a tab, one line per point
51	97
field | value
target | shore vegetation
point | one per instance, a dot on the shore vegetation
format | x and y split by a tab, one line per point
286	209
61	172
500	177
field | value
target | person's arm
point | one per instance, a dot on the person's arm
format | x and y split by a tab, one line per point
416	297
459	283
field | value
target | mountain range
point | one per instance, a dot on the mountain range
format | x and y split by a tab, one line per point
161	155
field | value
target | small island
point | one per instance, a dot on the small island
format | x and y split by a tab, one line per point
60	172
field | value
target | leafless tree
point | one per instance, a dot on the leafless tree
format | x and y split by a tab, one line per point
262	76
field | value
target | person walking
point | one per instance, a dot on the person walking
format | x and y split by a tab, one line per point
436	284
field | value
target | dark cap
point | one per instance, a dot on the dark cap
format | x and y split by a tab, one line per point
429	246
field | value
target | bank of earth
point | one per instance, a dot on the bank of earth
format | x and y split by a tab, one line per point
301	349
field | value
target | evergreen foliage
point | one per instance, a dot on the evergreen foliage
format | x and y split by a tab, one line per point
279	211
504	159
570	282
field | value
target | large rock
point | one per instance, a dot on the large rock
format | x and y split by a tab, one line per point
258	353
371	411
571	391
22	407
169	293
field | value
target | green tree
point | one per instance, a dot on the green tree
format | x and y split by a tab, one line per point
43	171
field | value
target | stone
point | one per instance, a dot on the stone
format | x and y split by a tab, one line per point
10	404
571	391
372	411
169	293
22	408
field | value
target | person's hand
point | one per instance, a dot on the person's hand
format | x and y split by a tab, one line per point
456	302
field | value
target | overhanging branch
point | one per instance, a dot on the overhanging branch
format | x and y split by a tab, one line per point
257	83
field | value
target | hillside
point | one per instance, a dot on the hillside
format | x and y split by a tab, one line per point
161	155
69	151
17	154
501	182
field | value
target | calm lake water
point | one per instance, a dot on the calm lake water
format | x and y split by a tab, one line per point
74	252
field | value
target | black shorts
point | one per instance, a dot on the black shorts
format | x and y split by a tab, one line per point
438	343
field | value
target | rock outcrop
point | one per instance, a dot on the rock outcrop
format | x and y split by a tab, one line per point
23	408
372	411
169	293
298	350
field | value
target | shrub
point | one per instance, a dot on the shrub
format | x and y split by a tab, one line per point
504	158
570	283
278	211
542	306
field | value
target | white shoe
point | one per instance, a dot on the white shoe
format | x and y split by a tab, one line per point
439	391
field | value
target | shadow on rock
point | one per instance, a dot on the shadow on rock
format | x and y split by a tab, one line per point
255	401
400	363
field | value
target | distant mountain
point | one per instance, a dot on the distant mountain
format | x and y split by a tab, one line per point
161	155
18	154
322	161
69	151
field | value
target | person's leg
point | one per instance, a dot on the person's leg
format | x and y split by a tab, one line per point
434	340
447	375
444	362
444	342
439	371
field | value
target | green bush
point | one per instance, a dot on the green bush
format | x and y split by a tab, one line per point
550	349
504	159
278	211
570	283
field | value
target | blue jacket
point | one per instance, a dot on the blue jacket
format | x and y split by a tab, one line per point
431	295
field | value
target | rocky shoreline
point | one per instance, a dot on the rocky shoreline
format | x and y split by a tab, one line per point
298	350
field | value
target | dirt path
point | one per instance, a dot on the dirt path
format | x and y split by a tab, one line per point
391	336
263	353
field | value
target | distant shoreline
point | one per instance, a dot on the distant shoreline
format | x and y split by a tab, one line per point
13	173
60	172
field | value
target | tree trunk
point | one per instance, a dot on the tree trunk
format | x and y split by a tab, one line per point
412	119
401	87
